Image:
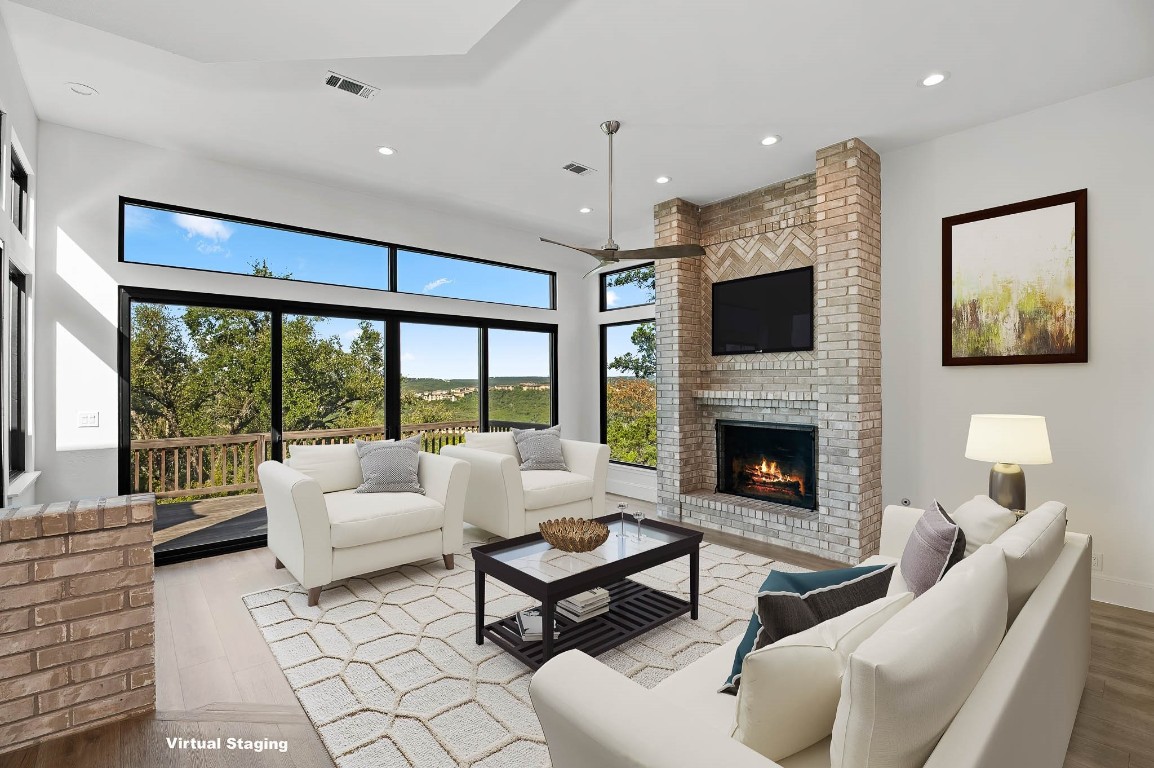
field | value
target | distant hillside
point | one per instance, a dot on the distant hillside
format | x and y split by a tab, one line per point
434	385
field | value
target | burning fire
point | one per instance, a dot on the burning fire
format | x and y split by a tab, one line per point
767	473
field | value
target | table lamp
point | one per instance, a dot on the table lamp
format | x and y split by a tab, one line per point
1008	440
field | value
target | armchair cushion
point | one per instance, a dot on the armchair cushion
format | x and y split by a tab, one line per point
358	518
390	467
540	449
552	488
495	442
334	467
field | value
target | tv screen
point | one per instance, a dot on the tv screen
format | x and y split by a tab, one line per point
765	313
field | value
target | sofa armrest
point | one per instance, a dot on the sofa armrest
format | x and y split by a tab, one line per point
496	498
897	525
298	523
446	480
594	717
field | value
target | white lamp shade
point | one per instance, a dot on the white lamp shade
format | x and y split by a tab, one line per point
1009	439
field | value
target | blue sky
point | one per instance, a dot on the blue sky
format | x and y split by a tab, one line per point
617	342
618	296
428	351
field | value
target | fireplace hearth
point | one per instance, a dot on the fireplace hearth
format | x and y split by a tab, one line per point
769	462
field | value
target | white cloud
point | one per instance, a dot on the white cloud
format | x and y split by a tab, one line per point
610	298
430	287
408	357
199	226
136	219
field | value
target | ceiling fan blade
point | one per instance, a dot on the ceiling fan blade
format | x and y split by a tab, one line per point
603	263
596	253
663	252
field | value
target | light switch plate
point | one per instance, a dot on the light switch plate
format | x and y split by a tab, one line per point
88	419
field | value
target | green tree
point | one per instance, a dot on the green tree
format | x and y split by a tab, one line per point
643	362
644	278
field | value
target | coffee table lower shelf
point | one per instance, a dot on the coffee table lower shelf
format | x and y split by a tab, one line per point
633	610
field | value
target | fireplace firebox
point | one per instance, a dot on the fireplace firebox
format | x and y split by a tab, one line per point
766	461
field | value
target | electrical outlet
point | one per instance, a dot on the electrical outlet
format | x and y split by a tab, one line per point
1096	561
88	419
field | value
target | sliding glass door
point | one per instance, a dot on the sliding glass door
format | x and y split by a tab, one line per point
213	386
333	373
200	420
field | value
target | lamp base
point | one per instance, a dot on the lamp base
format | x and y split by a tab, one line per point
1008	486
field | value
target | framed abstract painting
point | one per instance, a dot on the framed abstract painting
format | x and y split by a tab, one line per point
1014	283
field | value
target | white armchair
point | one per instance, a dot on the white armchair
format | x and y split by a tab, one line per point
508	502
322	531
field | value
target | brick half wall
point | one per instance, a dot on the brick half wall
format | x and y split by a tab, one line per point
76	617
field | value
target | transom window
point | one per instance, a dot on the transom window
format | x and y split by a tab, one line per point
629	287
168	236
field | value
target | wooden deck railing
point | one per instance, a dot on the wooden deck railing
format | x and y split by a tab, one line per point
182	467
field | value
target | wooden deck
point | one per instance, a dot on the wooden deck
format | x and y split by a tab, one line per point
178	519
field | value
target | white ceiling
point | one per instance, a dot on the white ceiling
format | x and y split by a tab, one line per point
285	30
695	84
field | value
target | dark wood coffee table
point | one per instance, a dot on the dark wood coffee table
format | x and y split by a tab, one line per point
530	565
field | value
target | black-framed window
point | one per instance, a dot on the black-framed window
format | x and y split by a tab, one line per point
17	372
187	238
629	392
18	191
312	373
629	287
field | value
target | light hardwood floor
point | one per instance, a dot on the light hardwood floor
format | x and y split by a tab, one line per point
217	677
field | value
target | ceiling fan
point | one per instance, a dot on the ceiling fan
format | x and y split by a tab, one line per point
611	253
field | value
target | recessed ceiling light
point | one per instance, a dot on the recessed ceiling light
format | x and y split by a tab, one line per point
586	210
663	179
386	150
80	89
934	78
770	140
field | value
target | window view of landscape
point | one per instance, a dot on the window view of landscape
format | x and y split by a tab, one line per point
630	359
200	418
631	287
519	379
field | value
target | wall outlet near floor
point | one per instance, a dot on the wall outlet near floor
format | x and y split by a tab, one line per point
1096	559
88	419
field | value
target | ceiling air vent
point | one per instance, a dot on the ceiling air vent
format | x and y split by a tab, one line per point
578	168
347	84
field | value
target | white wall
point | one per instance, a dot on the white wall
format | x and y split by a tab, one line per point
81	176
1100	414
19	130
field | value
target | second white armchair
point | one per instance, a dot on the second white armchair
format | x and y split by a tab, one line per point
508	502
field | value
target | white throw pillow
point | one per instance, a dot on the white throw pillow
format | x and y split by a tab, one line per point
334	467
497	442
982	520
1031	548
790	690
904	685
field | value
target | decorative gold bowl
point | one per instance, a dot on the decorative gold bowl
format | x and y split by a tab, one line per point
572	534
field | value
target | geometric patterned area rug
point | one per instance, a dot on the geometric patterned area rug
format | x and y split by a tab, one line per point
389	673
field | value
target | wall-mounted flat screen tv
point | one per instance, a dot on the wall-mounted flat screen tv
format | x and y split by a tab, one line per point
764	313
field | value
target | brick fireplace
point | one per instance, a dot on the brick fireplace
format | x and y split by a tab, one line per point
829	219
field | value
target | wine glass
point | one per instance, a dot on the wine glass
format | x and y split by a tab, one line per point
638	515
622	507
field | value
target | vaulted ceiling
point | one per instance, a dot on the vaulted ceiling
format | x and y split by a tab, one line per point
486	100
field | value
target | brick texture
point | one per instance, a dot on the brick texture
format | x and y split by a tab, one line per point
829	219
76	634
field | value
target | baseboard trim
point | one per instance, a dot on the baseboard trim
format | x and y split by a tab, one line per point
1124	592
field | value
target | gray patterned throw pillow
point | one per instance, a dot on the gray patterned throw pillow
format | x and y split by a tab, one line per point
936	545
540	448
389	467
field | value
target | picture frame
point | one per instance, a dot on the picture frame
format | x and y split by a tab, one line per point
1014	283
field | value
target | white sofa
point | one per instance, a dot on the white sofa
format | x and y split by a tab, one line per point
1020	713
508	502
321	530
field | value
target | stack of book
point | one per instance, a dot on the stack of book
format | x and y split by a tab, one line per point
585	605
530	625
